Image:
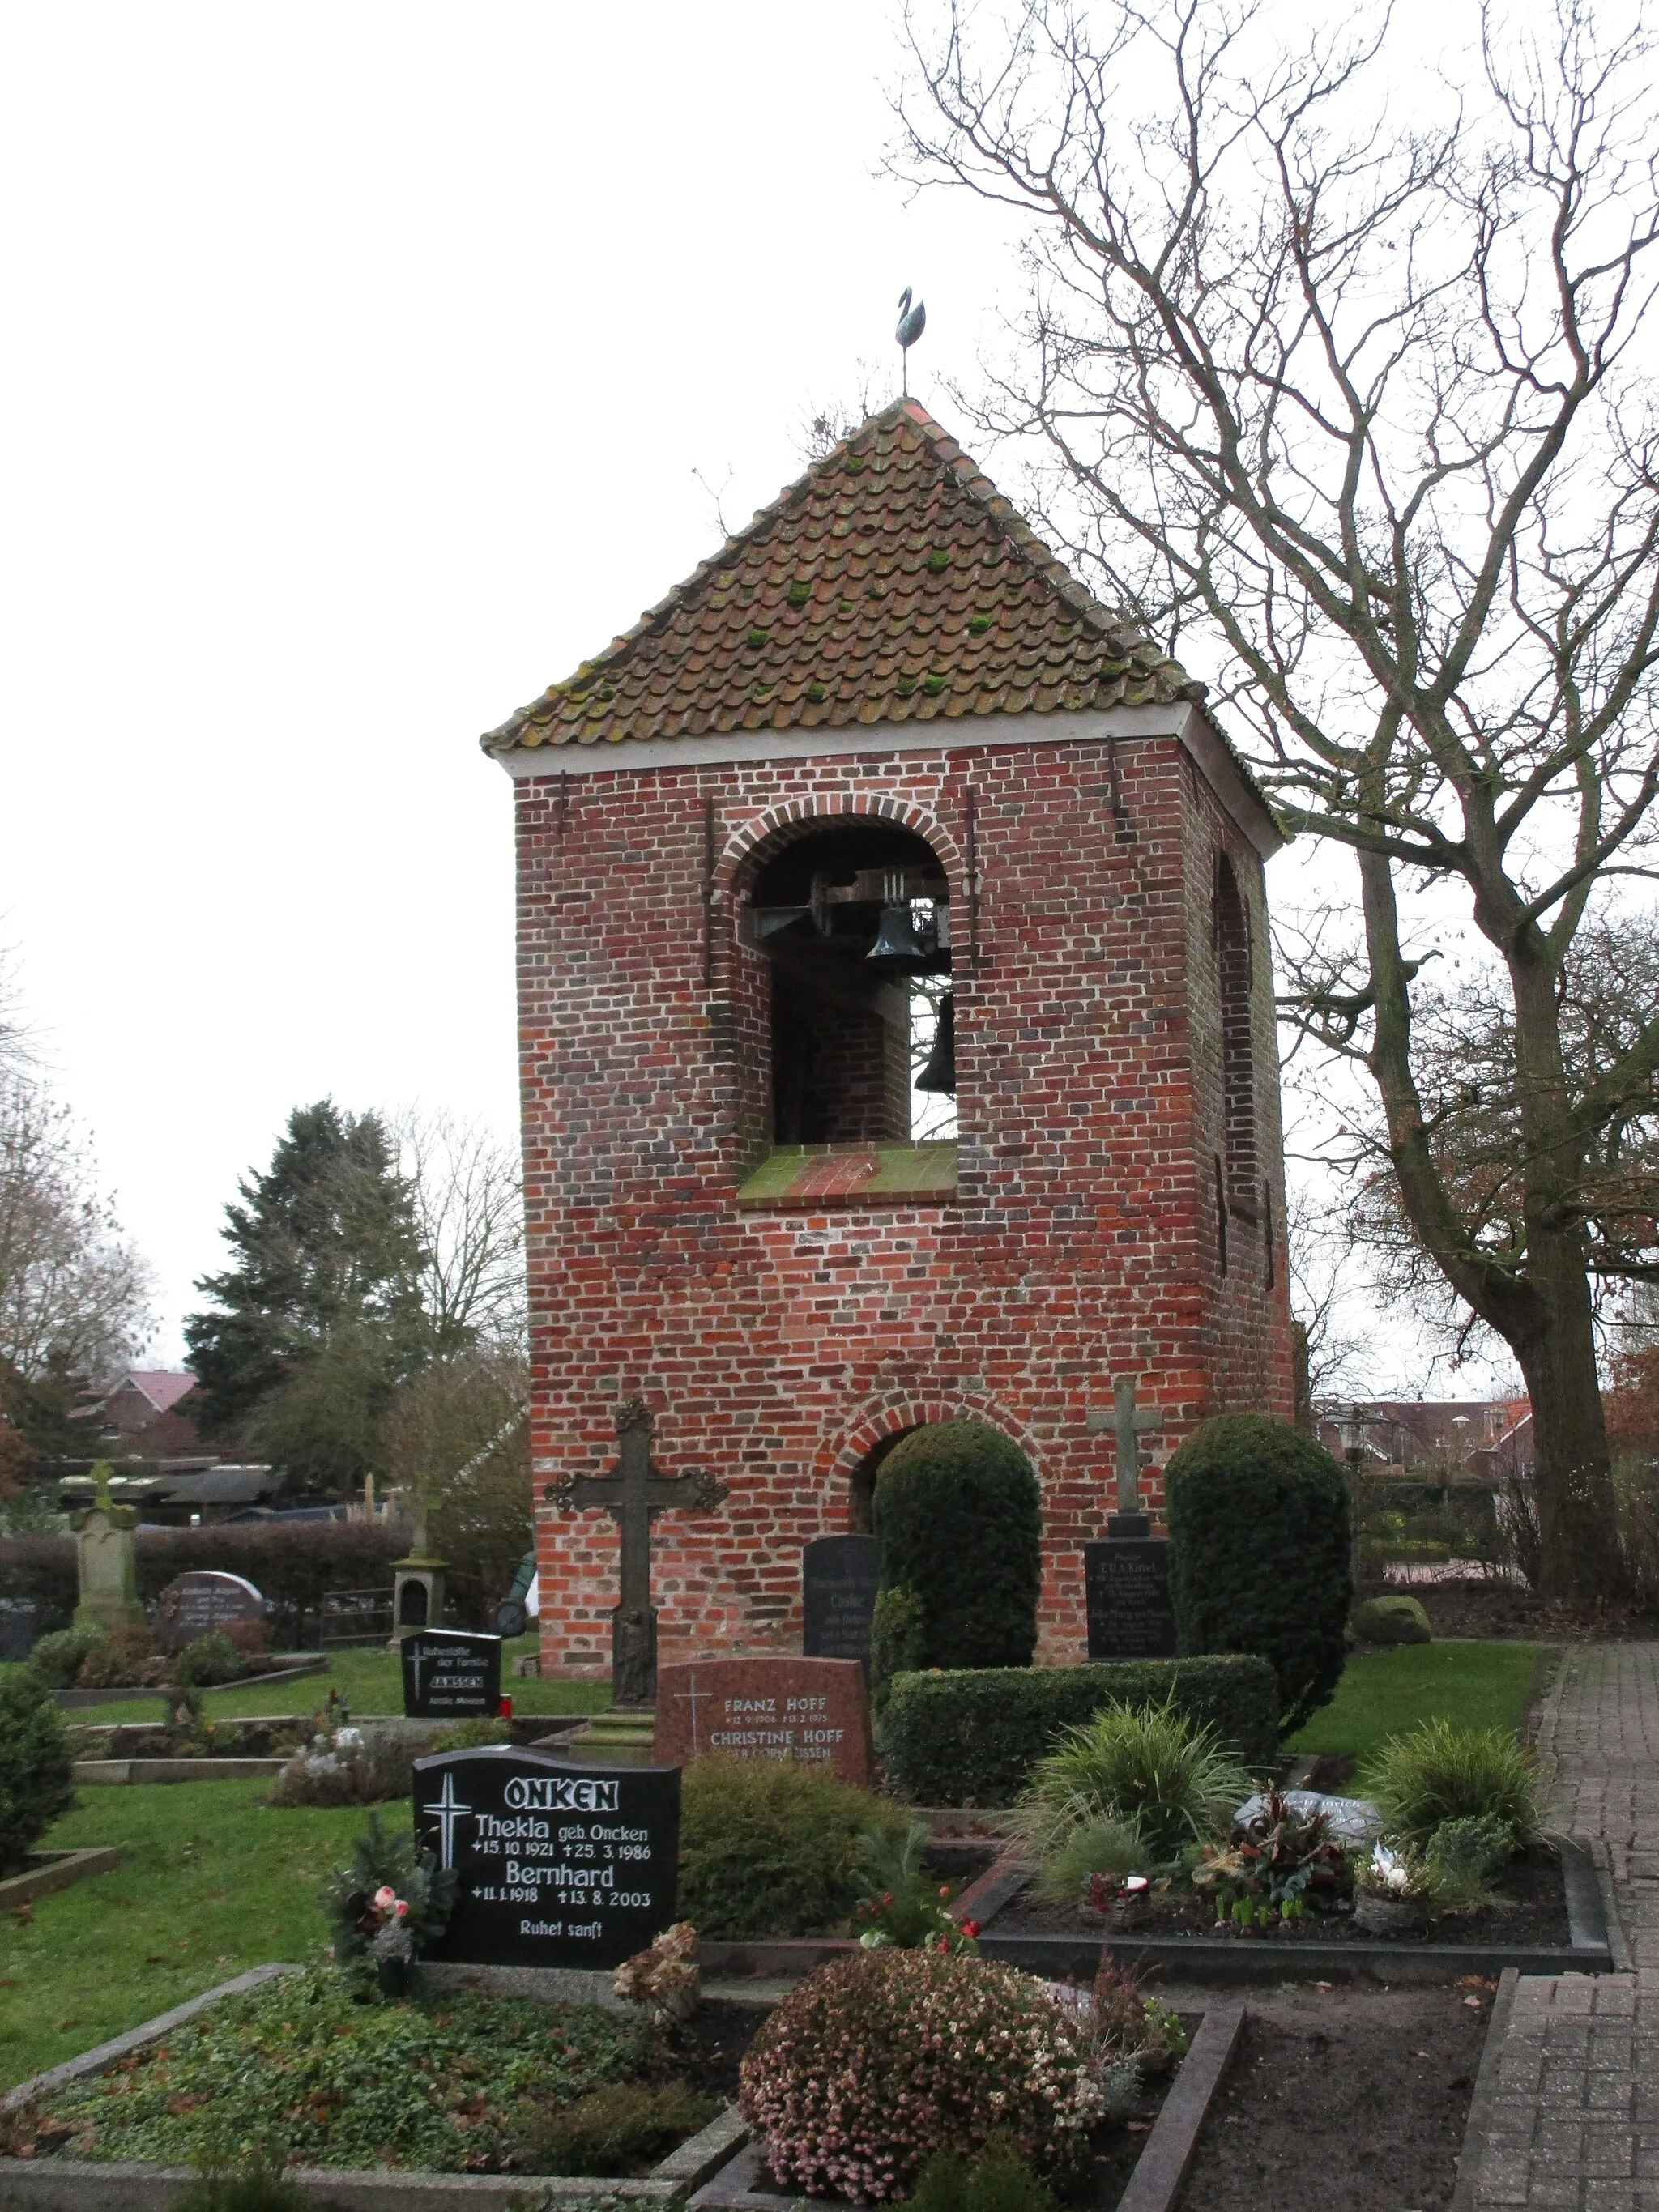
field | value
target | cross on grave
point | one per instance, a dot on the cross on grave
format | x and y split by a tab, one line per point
1130	1422
633	1494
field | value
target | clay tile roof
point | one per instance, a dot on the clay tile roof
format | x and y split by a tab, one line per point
892	583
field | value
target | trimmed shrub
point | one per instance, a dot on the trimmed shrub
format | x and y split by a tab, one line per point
1390	1620
872	2066
56	1660
37	1767
770	1848
972	1739
1148	1766
896	1636
1439	1773
617	2129
1259	1554
207	1660
998	2182
958	1519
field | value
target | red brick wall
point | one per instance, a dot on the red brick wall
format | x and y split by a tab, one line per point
778	1348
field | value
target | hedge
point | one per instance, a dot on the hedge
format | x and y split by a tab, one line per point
971	1738
293	1563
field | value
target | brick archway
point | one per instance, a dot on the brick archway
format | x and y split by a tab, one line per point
804	816
840	1456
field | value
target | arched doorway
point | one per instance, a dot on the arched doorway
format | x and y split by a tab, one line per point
862	1484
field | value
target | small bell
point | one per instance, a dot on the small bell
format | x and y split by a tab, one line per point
940	1073
898	939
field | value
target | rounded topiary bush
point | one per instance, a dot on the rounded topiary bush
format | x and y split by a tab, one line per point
1259	1554
872	2066
37	1768
768	1847
1391	1620
958	1520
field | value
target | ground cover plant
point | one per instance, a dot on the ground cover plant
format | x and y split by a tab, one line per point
1385	1693
874	2064
438	2085
770	1848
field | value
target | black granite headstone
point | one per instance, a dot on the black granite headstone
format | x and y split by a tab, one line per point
838	1597
449	1675
1125	1581
560	1865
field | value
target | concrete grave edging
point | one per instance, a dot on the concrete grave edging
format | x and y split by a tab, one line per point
1477	2128
84	1701
62	1871
116	1773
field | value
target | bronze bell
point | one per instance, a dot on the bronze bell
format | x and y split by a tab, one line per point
940	1073
898	939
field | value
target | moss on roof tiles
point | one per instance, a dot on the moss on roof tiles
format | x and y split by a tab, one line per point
876	556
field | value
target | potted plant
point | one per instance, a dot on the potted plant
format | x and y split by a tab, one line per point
387	1906
1391	1892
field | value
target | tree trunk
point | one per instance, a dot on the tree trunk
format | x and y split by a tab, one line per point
1577	1519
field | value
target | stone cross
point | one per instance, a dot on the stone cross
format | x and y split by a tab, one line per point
1130	1422
633	1494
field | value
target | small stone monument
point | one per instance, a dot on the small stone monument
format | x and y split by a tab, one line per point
104	1561
417	1584
838	1576
813	1710
197	1603
559	1864
1127	1577
451	1676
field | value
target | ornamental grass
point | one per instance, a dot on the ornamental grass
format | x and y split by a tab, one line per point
873	2065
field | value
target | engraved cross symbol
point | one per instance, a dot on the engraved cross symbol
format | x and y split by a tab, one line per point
449	1810
634	1495
1130	1422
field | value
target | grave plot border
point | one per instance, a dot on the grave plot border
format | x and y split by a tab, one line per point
61	2184
1158	2174
52	1870
84	1701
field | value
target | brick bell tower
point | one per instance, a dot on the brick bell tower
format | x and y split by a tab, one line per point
881	747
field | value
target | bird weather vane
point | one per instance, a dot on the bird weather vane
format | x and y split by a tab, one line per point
911	322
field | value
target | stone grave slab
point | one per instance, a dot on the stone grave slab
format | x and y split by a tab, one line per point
449	1675
838	1596
196	1604
815	1711
1126	1580
559	1864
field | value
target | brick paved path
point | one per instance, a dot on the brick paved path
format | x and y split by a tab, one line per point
1576	2120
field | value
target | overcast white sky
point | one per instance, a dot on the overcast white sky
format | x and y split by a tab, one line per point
358	361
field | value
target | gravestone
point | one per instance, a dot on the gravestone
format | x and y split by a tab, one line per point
559	1864
450	1675
105	1564
813	1710
1126	1578
196	1604
20	1625
838	1596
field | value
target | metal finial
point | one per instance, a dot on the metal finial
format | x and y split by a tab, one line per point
911	322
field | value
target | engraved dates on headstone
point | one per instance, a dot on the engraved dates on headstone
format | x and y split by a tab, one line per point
450	1675
838	1596
1126	1589
196	1604
559	1865
813	1710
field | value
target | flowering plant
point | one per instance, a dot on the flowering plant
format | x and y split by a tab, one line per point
1278	1863
874	2063
1395	1873
665	1975
387	1905
902	1903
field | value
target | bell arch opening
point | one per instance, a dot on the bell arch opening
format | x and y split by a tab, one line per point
854	920
1232	934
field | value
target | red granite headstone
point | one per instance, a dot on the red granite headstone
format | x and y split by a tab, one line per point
812	1709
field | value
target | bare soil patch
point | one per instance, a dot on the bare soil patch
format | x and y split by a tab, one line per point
1489	1612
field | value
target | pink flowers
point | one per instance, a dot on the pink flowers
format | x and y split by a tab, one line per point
386	1904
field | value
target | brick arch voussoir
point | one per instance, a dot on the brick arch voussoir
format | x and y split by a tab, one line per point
840	1453
795	818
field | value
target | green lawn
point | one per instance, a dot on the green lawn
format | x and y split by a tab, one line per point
1383	1693
215	1881
370	1683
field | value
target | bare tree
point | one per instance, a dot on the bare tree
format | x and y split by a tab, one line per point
73	1290
1363	399
469	1208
